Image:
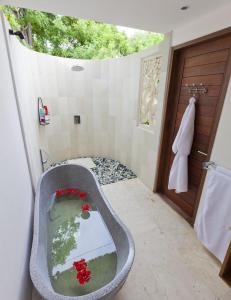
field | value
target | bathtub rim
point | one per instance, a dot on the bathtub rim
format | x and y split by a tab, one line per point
109	289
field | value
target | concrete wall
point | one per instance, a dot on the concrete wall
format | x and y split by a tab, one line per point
105	95
16	192
27	77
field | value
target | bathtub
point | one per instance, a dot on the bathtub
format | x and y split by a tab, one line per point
69	176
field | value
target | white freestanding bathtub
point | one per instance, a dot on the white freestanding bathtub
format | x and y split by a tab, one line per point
67	176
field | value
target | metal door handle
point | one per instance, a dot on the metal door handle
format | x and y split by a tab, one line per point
202	153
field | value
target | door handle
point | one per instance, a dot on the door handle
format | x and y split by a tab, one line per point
202	153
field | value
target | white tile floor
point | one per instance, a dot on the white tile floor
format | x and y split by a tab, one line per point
170	262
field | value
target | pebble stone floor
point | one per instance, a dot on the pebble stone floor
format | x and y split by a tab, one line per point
170	263
106	170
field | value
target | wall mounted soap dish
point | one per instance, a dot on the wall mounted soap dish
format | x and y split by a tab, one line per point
44	117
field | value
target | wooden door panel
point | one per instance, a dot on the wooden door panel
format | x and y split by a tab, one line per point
197	155
216	79
207	62
184	200
206	48
204	130
199	140
195	174
204	100
208	58
201	110
196	164
211	69
200	120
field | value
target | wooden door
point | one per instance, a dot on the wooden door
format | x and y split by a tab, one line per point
207	62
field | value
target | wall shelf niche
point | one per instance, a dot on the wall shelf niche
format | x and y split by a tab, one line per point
44	117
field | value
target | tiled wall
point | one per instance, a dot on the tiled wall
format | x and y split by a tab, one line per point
105	95
28	86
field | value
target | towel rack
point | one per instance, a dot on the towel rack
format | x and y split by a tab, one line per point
194	89
208	165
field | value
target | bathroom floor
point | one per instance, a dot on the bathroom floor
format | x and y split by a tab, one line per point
170	262
106	170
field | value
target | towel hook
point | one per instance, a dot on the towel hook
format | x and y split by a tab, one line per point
196	89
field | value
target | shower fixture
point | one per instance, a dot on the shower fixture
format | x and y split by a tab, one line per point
77	68
17	33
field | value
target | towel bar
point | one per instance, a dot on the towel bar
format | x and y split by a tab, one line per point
206	165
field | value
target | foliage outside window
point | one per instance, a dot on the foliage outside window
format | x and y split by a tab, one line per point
75	38
149	83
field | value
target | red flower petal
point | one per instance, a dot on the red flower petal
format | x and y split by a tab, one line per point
83	275
59	193
80	265
80	278
82	195
85	208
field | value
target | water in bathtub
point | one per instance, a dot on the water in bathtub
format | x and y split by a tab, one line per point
77	231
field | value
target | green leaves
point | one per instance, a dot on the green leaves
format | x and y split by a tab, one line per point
64	241
77	38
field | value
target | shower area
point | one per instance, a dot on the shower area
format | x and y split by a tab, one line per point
92	108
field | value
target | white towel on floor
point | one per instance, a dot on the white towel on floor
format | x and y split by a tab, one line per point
178	178
214	220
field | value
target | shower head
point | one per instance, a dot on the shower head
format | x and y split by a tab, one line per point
77	68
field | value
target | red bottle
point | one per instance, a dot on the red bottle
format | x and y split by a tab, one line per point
45	109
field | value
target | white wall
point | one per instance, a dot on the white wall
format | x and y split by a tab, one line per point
221	153
16	193
105	95
203	25
27	77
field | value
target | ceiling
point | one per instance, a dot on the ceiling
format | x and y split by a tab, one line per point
152	15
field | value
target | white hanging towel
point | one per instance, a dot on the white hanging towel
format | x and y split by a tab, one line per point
178	178
213	225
